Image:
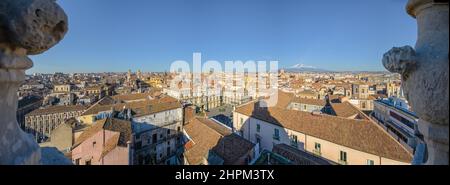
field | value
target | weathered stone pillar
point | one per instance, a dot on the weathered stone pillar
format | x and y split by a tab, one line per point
424	72
27	27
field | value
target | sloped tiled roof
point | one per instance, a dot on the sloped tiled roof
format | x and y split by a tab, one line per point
122	127
137	96
215	126
28	100
139	108
232	147
346	110
107	100
57	109
317	102
110	144
299	157
284	99
308	92
207	135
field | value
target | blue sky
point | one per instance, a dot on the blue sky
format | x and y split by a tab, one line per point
117	35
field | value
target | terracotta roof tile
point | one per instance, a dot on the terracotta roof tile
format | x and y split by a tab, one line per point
215	126
137	96
299	157
232	147
107	100
57	109
206	137
112	124
138	108
317	102
284	99
110	144
87	133
346	110
308	92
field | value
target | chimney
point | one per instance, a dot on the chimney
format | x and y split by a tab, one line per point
128	114
316	113
343	99
188	114
131	149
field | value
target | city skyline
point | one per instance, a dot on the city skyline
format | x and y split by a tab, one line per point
114	36
255	83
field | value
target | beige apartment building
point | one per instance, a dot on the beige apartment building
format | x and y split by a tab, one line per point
41	122
360	90
338	139
393	89
362	96
62	88
25	106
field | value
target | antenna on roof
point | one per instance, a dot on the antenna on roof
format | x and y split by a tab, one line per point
128	114
223	146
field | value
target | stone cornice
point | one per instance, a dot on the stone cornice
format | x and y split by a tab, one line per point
414	5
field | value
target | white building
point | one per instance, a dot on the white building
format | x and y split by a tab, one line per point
394	115
158	135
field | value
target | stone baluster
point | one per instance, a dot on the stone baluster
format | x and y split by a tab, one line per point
27	27
424	70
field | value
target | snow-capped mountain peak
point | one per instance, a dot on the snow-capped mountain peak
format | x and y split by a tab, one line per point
302	66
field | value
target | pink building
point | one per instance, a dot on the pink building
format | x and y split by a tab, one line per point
107	142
